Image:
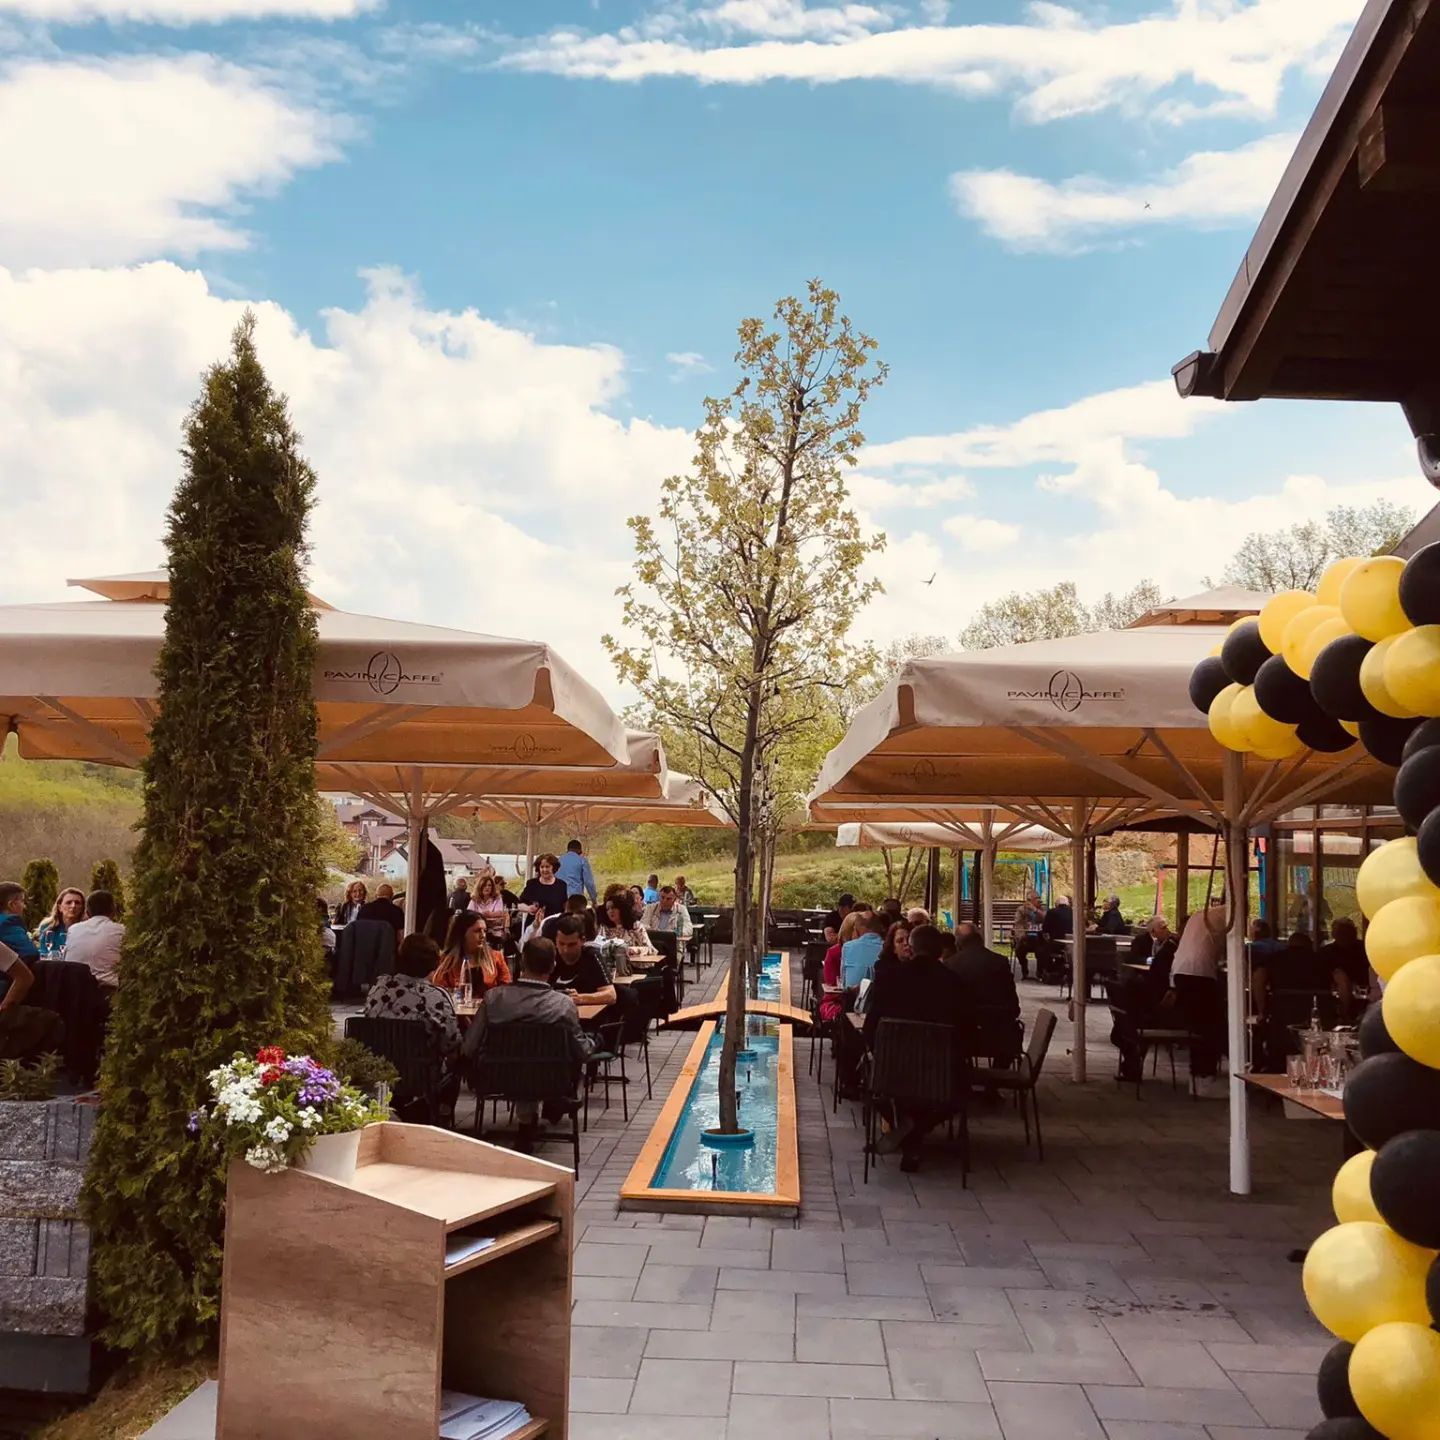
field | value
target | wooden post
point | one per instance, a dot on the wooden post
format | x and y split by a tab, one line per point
957	884
1182	880
1077	933
532	817
986	914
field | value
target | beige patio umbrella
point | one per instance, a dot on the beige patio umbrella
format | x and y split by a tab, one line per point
1081	735
684	802
77	682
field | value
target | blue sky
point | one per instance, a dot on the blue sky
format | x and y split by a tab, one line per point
500	250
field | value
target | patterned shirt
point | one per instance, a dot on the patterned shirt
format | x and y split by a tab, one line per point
403	997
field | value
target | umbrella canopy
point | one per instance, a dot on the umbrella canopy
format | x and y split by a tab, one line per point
684	802
78	683
1017	838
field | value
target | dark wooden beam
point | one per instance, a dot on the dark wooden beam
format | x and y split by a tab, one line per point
1400	149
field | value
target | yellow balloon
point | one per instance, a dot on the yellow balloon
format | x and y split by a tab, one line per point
1350	726
1256	729
1362	1274
1299	628
1372	681
1350	1194
1412	1009
1279	610
1315	641
1222	726
1214	651
1395	1379
1327	592
1389	873
1412	670
1292	744
1370	598
1402	931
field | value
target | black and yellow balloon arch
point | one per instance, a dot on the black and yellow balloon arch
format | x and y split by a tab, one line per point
1359	662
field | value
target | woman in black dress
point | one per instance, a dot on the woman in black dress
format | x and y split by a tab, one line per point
544	894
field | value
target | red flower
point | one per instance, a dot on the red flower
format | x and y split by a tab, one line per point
270	1055
270	1075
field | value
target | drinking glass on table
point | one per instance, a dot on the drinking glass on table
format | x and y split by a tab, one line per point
467	992
1297	1072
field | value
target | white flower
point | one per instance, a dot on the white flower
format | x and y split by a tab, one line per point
309	1118
278	1130
265	1157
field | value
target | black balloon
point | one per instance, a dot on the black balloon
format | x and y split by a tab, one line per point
1405	1185
1374	1037
1388	1095
1322	733
1427	842
1385	738
1345	1427
1420	586
1282	694
1422	737
1335	679
1244	652
1336	1401
1417	786
1207	680
1432	1291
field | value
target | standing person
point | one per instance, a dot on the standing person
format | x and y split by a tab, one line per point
97	940
836	917
354	902
685	893
69	909
1025	937
460	895
544	894
383	907
1195	976
468	957
651	893
26	1031
669	915
574	869
12	921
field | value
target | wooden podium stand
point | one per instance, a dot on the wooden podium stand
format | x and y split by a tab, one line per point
340	1318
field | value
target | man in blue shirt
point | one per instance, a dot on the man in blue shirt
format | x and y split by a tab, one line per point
575	871
12	921
652	889
858	956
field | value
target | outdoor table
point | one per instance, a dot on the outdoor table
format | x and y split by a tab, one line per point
1318	1102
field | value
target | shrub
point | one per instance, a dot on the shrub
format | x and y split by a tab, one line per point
42	884
106	876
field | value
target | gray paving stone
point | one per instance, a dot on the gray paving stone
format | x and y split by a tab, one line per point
936	1375
602	1287
1154	1430
1204	1407
984	1277
604	1352
857	1342
1248	1432
1083	1368
844	1381
682	1387
645	1427
1282	1399
717	1345
646	1315
752	1311
892	1277
864	1307
1268	1359
598	1396
1044	1412
911	1420
982	1306
792	1282
796	1417
1186	1364
608	1260
951	1336
687	1284
797	1250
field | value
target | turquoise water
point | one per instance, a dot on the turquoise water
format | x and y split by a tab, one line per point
690	1165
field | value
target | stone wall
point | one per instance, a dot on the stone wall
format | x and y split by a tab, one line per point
44	1249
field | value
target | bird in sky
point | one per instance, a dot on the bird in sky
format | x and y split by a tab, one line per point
931	580
1147	204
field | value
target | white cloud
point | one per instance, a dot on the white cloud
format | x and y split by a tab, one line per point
109	161
685	363
1058	62
469	474
918	492
791	19
977	533
184	12
1207	189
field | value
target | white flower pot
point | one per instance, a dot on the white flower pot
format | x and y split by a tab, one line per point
333	1156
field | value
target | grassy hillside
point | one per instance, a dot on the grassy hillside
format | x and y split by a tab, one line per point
70	813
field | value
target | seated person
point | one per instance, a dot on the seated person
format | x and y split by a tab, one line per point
684	893
619	921
669	915
383	907
1058	925
468	958
12	922
26	1031
1344	960
858	956
832	1002
487	901
1159	949
1112	922
70	909
349	908
896	949
576	971
97	940
534	999
1025	937
409	995
921	989
579	907
987	989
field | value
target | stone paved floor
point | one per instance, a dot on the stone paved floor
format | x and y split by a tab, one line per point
1115	1291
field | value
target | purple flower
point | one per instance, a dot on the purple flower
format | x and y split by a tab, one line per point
194	1124
319	1086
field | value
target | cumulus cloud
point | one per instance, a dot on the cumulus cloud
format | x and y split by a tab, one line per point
1059	61
1208	189
114	160
684	363
791	19
183	12
469	474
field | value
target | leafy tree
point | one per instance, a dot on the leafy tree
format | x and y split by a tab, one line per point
888	659
222	953
338	848
1027	615
106	876
1294	558
748	580
42	884
1115	612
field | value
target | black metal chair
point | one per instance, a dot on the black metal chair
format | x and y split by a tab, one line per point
526	1062
409	1046
1102	965
667	943
649	1009
609	1051
917	1066
1022	1081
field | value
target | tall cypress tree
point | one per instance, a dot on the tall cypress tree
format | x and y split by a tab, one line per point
222	951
